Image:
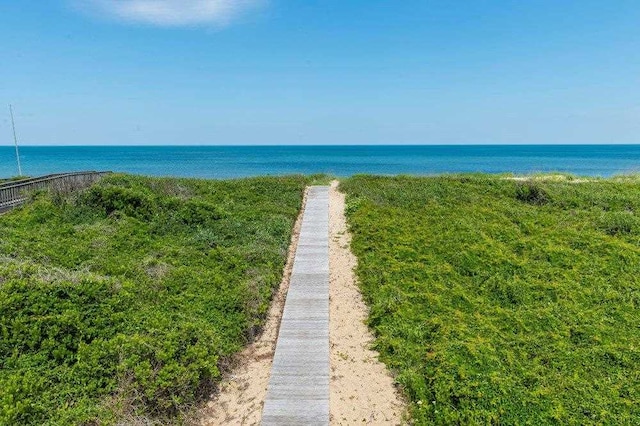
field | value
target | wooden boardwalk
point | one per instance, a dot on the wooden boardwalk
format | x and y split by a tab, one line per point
298	392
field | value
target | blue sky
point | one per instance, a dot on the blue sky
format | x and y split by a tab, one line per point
320	72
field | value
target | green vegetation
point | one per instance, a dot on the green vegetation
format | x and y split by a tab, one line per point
499	301
124	302
13	179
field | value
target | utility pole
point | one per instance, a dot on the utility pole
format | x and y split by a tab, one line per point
15	140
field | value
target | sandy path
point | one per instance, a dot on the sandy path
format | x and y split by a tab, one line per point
241	395
361	389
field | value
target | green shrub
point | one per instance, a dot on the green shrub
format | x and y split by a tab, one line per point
112	198
531	192
353	205
493	312
619	223
127	299
194	212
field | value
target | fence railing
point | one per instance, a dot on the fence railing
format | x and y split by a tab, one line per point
13	181
15	193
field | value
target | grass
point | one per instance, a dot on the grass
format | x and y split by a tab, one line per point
499	301
125	301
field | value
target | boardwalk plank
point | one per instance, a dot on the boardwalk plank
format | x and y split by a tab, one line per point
298	392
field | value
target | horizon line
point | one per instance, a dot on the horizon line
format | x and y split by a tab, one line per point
328	144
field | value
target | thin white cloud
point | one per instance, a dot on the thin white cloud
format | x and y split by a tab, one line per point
172	13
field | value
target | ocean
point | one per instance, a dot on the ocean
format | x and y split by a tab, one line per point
243	161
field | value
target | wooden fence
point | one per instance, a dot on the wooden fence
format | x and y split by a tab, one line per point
15	193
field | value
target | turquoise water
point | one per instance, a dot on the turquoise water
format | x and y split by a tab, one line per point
228	162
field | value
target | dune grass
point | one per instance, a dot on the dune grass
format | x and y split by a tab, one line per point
125	301
499	301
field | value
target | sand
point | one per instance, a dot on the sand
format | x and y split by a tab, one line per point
361	389
548	178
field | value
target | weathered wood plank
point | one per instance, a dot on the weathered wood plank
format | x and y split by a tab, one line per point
298	392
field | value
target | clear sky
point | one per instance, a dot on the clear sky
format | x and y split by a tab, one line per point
320	71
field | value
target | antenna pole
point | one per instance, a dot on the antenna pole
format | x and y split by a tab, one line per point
15	140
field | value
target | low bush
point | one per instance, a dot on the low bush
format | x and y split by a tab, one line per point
114	198
619	223
127	299
493	310
531	192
